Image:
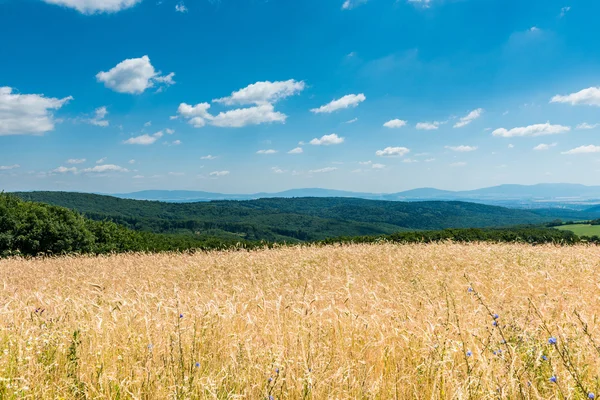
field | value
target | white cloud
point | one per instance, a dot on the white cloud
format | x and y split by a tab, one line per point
27	114
430	160
428	126
350	4
248	116
297	150
147	124
64	170
208	157
353	120
9	167
322	170
131	161
76	161
138	177
377	166
269	151
511	146
327	140
144	139
585	125
175	142
544	146
134	76
461	148
395	123
198	116
169	131
105	168
99	115
278	170
423	3
458	164
392	152
350	100
472	116
534	29
95	6
587	97
219	173
409	161
181	8
564	11
532	130
100	161
583	150
365	162
261	93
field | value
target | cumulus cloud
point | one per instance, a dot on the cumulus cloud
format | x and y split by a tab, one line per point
428	126
105	168
544	146
219	173
9	167
269	151
564	11
585	125
327	140
587	97
278	170
181	8
198	116
395	123
260	93
27	114
76	161
297	150
64	170
472	116
377	166
100	161
350	100
134	76
95	6
583	150
322	170
144	139
461	148
532	130
99	117
392	152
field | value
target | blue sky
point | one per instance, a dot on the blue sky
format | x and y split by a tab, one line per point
243	96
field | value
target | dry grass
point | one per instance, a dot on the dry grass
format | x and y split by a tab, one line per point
362	321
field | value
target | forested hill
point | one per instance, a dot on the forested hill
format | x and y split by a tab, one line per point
287	219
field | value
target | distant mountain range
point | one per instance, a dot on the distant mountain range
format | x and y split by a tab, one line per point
542	195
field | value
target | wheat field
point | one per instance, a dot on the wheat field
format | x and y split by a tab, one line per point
438	321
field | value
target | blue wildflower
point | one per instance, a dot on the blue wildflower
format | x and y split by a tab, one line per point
470	290
544	358
552	341
591	396
270	380
271	398
277	370
180	315
495	323
197	365
496	316
469	353
553	379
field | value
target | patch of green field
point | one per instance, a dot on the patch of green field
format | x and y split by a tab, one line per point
581	229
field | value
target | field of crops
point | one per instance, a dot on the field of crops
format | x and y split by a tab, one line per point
439	321
582	229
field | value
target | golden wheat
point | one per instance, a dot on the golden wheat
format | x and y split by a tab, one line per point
358	321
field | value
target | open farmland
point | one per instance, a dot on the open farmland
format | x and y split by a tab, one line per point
581	229
358	321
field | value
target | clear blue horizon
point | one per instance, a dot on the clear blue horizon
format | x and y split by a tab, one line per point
252	96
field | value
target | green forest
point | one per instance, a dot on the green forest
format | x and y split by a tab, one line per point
290	220
33	228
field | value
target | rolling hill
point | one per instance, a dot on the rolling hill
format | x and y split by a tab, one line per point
295	219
